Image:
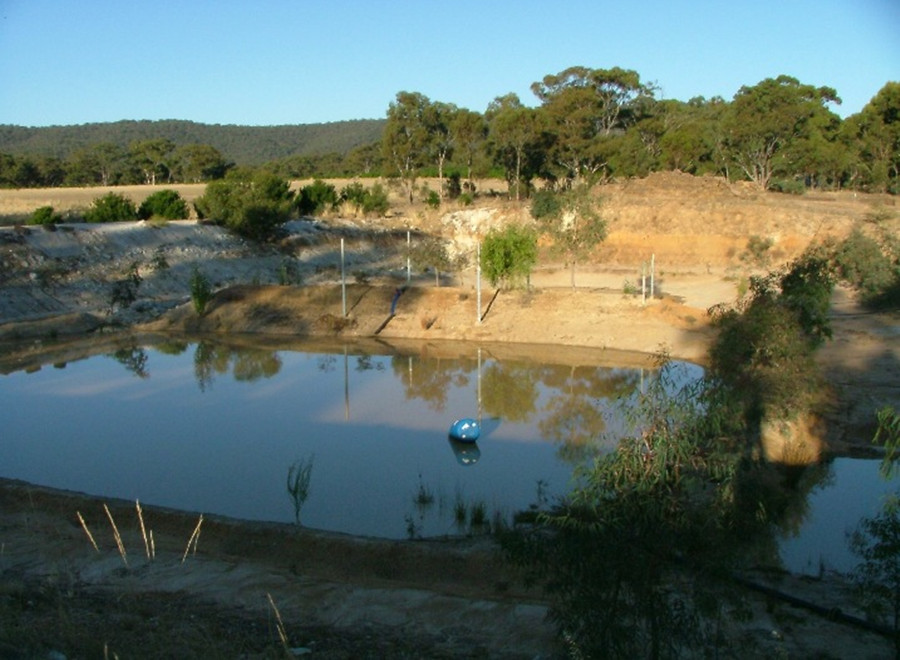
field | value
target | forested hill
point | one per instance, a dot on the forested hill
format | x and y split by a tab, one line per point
244	145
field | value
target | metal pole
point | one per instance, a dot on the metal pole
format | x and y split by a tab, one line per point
408	263
343	283
652	275
478	278
643	283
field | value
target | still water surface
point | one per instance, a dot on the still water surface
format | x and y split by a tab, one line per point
209	428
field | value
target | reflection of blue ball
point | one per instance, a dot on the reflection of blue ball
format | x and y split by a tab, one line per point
467	453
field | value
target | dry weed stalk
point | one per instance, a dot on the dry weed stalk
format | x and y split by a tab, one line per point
116	535
140	515
87	531
195	537
282	633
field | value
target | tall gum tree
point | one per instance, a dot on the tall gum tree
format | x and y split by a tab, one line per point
765	120
585	106
405	140
876	132
515	140
578	227
469	134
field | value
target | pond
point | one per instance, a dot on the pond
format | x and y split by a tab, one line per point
347	438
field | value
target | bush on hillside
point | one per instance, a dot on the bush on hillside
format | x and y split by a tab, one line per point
45	215
545	204
863	264
316	198
166	204
251	205
508	256
111	207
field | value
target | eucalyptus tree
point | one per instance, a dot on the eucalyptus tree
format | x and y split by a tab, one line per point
584	107
102	163
766	120
405	141
876	134
469	131
574	223
364	161
690	136
438	119
153	158
515	138
194	163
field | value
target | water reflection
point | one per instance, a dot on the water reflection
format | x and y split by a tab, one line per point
245	364
134	359
467	453
211	426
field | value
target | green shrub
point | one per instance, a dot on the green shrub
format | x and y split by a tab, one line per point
111	207
354	194
124	291
509	255
166	204
251	205
788	186
861	263
432	199
45	215
453	186
757	250
376	200
763	352
545	204
368	200
317	198
201	291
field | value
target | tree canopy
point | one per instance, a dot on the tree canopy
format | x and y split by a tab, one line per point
583	124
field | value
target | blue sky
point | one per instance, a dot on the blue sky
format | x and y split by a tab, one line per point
265	62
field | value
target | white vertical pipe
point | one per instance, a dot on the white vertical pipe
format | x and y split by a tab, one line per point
478	279
343	283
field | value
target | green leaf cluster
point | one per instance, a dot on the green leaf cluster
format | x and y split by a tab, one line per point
111	207
45	215
316	198
573	220
166	204
762	358
370	200
201	291
508	256
253	205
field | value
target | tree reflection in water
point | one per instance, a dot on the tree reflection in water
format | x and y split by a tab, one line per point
246	364
429	378
134	359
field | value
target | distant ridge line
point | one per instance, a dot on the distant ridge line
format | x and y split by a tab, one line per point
244	145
